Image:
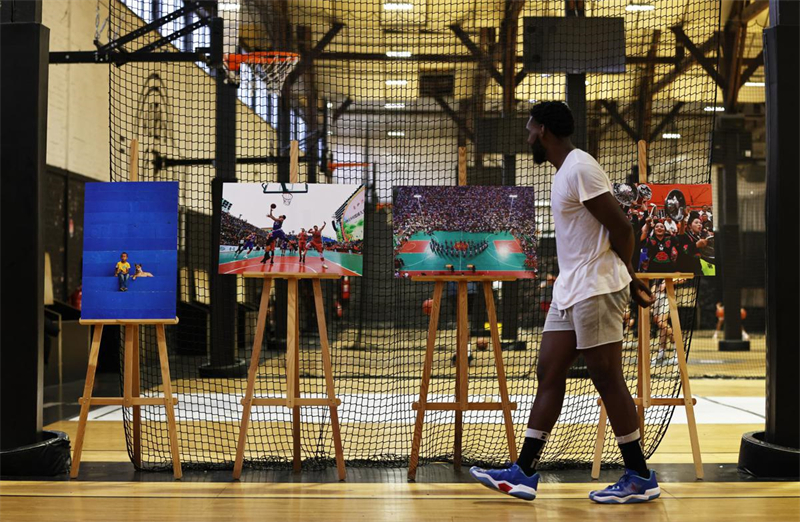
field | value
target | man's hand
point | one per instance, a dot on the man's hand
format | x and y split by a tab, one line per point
640	292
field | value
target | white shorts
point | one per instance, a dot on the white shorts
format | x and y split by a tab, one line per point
596	321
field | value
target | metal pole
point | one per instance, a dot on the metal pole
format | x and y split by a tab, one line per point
24	54
223	360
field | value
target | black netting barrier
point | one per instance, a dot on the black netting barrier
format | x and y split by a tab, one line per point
384	94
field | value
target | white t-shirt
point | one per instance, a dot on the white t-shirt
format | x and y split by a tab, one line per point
587	264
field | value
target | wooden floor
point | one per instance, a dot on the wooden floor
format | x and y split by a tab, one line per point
196	499
243	502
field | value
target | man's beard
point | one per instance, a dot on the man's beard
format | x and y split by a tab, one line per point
539	152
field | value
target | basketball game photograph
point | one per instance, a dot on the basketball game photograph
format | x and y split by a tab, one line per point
674	224
301	227
465	230
399	260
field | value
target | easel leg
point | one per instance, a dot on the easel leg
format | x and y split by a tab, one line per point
135	393
598	444
168	405
326	362
433	326
293	376
497	348
462	371
127	371
684	371
643	380
251	377
86	400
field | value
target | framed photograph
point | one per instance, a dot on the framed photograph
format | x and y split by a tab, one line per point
291	228
130	250
674	225
478	230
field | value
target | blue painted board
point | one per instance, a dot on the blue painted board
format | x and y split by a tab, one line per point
140	218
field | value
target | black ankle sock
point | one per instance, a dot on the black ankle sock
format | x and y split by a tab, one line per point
633	457
532	450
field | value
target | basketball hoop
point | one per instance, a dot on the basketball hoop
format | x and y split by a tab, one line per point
334	166
287	198
271	67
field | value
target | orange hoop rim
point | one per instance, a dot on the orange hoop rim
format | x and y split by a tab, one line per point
334	166
235	60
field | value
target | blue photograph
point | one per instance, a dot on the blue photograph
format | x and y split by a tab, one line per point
130	250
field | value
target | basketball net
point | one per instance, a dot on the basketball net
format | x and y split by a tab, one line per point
272	68
287	198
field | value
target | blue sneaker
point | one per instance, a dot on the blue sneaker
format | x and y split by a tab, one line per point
511	481
629	488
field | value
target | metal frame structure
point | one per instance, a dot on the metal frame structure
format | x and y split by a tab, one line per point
116	53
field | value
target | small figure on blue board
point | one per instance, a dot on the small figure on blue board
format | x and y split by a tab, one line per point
140	272
122	272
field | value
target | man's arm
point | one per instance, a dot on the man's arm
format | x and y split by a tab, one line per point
323	226
606	210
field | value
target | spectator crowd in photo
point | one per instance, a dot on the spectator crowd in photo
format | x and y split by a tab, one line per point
466	209
667	245
235	231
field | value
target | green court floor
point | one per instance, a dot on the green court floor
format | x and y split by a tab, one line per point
502	255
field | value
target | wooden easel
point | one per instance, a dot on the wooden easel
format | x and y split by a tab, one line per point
643	399
130	396
293	400
131	377
461	403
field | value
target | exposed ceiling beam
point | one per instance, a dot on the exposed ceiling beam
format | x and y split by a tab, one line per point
483	59
307	58
468	58
666	120
508	38
753	10
748	73
611	108
462	125
733	44
341	109
645	101
699	56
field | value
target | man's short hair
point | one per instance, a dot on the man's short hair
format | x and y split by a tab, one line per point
556	116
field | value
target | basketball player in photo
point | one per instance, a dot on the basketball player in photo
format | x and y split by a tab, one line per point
248	243
302	238
316	242
277	235
595	244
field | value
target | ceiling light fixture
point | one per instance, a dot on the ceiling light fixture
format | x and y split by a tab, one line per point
755	84
398	6
714	109
395	106
671	136
228	6
639	7
398	54
396	134
396	82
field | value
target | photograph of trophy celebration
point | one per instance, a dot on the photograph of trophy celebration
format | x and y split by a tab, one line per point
464	230
285	227
674	226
